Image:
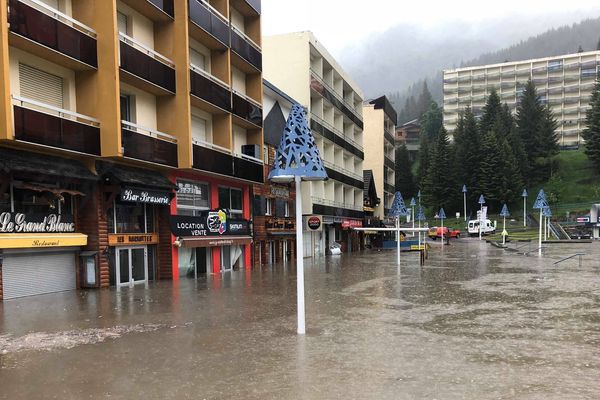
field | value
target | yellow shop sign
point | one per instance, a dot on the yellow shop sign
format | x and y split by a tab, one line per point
41	240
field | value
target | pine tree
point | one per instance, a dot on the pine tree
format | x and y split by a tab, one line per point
468	154
491	111
490	169
505	128
529	115
405	182
591	133
432	121
424	101
439	183
423	158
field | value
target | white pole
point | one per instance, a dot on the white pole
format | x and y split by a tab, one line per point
480	219
299	259
442	233
419	235
465	204
524	211
398	239
540	237
503	230
413	219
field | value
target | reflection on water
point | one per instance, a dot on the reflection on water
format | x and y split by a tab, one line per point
476	322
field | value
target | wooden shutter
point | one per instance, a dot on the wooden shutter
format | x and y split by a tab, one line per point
41	86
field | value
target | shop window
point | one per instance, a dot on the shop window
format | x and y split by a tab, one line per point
231	199
192	197
37	201
287	209
131	218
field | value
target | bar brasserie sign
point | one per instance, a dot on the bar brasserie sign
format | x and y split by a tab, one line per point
135	195
35	223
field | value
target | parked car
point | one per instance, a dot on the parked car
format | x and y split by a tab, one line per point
488	227
335	249
436	232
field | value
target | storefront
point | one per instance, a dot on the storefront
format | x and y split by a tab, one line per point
136	204
40	238
210	227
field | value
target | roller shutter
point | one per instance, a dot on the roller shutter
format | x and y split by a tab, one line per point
31	274
41	86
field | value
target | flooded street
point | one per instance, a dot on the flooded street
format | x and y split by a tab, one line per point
476	322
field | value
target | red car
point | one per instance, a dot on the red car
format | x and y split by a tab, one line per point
436	232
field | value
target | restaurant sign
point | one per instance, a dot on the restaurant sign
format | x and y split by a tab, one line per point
210	223
35	223
128	239
135	195
352	223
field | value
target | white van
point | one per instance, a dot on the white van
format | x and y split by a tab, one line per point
488	227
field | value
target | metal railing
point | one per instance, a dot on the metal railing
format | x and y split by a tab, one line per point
351	107
246	37
59	16
249	158
214	11
145	49
55	111
208	75
342	170
245	96
580	255
148	132
211	146
333	203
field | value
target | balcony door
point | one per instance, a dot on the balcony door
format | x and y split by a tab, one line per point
126	108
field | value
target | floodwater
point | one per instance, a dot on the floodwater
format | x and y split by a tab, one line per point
476	322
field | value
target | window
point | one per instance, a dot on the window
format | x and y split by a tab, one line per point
131	218
36	202
40	85
231	199
287	209
198	59
268	206
122	22
192	197
126	102
199	128
238	79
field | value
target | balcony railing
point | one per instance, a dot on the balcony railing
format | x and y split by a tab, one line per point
210	20
148	144
248	168
333	203
165	6
44	124
280	223
342	170
335	130
246	108
209	88
219	160
336	95
255	4
246	48
147	64
41	23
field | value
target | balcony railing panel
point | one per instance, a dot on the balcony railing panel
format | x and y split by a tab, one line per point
57	31
246	49
146	146
164	5
248	169
209	89
255	4
210	21
146	64
211	160
53	130
246	109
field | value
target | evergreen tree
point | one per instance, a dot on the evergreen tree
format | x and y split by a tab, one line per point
432	121
490	169
439	183
468	154
505	128
405	182
529	114
423	158
491	111
511	183
424	101
548	139
591	133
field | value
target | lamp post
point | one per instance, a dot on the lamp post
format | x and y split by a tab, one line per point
524	195
464	191
504	213
413	203
298	159
420	217
442	216
398	210
547	214
540	204
481	203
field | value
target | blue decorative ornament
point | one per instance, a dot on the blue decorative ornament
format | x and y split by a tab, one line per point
464	189
524	193
413	202
546	212
420	214
504	212
398	207
481	200
541	202
442	213
297	154
419	194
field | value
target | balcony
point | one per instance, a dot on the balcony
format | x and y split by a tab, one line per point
255	4
148	69
389	187
46	125
64	40
148	145
246	108
343	175
210	89
246	48
318	85
156	10
277	224
219	160
209	24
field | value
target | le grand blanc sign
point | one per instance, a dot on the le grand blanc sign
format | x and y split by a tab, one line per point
210	223
35	223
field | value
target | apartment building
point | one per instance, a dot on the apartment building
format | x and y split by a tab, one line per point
379	119
131	136
273	211
300	65
564	82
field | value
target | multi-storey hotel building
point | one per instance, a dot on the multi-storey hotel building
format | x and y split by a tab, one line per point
563	82
131	134
379	119
299	65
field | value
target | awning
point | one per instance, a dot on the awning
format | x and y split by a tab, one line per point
215	241
41	240
24	161
119	174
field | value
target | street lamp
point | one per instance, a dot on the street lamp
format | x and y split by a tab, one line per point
547	214
413	203
524	195
464	191
540	204
398	210
504	213
481	203
298	159
420	217
442	216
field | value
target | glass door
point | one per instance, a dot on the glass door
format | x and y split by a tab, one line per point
133	266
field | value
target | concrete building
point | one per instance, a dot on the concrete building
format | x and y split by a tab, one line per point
565	82
379	119
131	136
409	134
299	65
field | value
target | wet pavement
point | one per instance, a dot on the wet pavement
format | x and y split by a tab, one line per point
476	322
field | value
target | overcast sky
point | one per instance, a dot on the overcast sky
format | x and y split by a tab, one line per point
340	23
